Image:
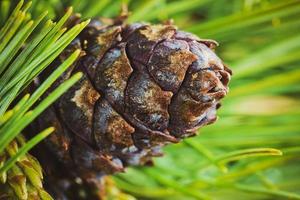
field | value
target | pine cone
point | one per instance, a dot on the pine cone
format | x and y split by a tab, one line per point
144	86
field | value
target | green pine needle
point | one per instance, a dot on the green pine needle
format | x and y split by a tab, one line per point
21	60
21	152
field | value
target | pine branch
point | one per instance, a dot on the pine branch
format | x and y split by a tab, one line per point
24	54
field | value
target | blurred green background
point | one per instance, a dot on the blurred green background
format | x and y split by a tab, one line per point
233	158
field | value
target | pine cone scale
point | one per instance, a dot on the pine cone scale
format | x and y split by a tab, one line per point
112	76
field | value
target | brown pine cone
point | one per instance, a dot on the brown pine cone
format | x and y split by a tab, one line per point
144	86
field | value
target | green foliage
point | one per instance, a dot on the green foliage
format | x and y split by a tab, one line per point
24	54
238	156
